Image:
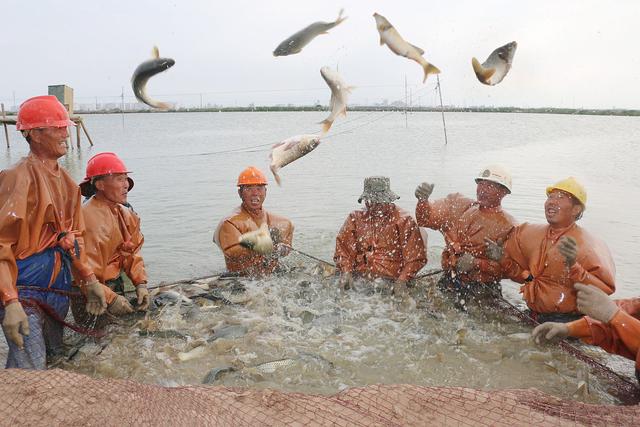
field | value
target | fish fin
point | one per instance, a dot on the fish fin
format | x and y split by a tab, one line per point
340	18
483	74
155	53
421	51
348	89
429	69
274	171
344	111
326	125
162	106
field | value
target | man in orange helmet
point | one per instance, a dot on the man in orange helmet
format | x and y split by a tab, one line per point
41	239
113	233
548	259
249	217
380	241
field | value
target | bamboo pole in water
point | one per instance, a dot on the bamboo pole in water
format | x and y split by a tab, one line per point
6	132
77	136
84	128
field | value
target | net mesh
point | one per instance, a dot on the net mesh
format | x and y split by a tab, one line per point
57	397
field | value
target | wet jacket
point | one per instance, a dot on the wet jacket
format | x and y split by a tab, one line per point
620	336
531	257
243	260
36	205
464	226
388	246
113	241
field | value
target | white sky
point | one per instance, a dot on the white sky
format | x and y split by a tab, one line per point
579	53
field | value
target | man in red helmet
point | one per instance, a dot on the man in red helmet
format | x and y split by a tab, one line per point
248	217
113	233
41	239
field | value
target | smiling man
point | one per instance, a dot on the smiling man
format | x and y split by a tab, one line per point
548	259
248	217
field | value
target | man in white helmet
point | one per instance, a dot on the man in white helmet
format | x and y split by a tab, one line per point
465	224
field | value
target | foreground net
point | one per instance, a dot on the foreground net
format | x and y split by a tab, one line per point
57	397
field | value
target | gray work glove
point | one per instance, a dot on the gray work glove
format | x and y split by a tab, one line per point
96	302
15	323
120	306
346	281
568	248
550	330
465	263
494	250
143	297
593	302
423	191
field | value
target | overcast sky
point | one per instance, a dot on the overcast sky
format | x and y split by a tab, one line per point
579	53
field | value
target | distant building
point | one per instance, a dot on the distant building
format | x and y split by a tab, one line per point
64	94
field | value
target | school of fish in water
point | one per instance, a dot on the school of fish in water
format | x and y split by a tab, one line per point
491	72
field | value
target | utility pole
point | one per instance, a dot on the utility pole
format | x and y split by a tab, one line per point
201	101
122	105
406	122
96	103
15	107
444	125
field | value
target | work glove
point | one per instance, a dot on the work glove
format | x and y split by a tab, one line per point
120	306
399	288
143	297
593	302
96	302
423	191
276	236
346	281
494	250
568	248
15	323
465	263
550	330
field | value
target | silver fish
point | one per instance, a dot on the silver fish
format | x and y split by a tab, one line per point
339	94
390	36
144	72
296	42
289	150
215	374
271	367
228	332
258	240
495	68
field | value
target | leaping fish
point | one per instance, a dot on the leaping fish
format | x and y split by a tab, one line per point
296	42
339	94
144	72
495	68
258	240
390	36
290	150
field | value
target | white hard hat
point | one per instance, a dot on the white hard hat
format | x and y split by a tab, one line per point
497	174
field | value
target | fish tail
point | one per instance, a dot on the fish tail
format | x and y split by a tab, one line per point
429	69
274	171
483	74
340	18
326	125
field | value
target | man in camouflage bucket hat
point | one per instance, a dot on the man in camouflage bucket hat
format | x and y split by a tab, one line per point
380	240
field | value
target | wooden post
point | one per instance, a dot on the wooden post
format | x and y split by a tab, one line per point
6	132
78	135
85	132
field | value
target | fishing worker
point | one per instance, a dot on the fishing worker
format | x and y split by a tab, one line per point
465	223
41	239
548	259
614	325
248	217
379	241
113	234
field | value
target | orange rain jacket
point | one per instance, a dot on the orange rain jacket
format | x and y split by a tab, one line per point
113	241
387	246
243	260
464	226
620	336
531	251
36	205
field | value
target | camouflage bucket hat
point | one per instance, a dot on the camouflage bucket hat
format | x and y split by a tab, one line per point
377	190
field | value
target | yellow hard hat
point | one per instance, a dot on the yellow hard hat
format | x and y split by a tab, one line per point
571	186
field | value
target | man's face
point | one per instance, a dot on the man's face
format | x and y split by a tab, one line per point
114	187
49	143
379	209
490	194
560	209
253	195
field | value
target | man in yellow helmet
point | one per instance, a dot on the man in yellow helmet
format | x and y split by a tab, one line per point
548	259
249	217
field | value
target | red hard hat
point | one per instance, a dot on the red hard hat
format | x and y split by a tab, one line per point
252	176
42	112
102	164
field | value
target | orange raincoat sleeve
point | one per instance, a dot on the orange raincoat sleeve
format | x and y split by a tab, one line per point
442	214
345	253
414	256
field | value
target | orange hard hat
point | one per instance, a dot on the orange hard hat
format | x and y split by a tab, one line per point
102	164
252	176
42	112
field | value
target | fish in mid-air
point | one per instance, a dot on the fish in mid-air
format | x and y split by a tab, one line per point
290	150
495	68
390	36
258	240
144	72
296	42
339	94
